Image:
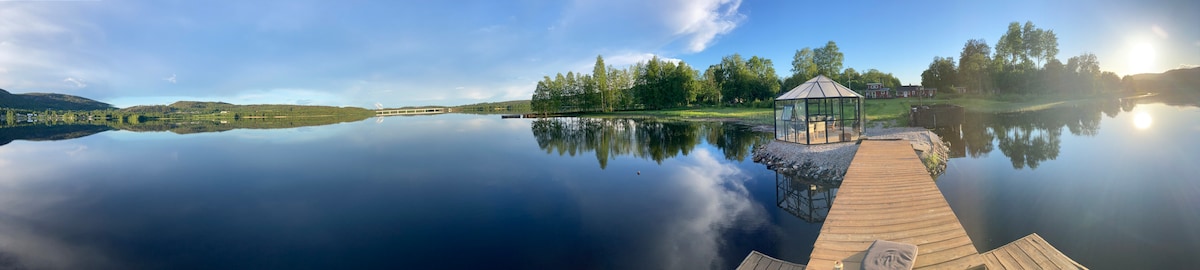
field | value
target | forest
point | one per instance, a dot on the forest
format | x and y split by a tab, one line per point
190	110
662	84
1022	64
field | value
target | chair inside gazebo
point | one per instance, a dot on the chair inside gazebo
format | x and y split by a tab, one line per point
818	121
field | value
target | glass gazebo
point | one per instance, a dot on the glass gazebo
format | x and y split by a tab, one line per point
819	111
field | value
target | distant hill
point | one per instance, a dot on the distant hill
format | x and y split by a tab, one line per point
503	106
1187	79
1174	87
196	108
44	101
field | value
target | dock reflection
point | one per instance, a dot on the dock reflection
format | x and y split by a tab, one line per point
808	200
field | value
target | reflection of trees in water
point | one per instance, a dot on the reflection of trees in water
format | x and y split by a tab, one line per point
1030	146
62	130
807	200
43	132
652	139
1026	138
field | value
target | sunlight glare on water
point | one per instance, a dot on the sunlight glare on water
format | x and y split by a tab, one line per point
1142	120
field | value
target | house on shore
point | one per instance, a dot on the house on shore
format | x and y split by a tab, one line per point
916	91
876	90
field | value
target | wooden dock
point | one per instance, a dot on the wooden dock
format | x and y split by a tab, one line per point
759	261
887	194
1029	252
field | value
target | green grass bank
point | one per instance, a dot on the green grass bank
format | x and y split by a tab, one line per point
892	112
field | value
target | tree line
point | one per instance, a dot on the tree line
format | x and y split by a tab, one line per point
662	84
647	138
1024	62
827	61
193	110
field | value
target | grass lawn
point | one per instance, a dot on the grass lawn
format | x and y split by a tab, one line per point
893	112
751	115
897	109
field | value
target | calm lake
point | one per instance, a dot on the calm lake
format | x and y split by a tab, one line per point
1112	185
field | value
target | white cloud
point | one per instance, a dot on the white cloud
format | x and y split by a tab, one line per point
702	21
626	59
170	79
75	82
41	45
1159	31
519	91
718	201
694	24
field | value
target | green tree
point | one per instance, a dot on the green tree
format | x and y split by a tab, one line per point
875	76
803	65
1031	42
765	83
707	90
853	79
973	65
600	74
557	92
1049	46
828	60
940	74
1011	46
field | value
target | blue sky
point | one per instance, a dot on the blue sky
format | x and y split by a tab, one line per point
400	53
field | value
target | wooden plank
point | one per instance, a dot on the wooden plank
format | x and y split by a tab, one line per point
887	194
1055	258
1040	259
991	260
1053	252
762	263
758	261
1020	257
1004	261
1030	252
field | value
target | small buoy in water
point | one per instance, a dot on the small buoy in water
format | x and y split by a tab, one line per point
639	172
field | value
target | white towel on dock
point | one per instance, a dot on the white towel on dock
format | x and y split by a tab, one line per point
888	255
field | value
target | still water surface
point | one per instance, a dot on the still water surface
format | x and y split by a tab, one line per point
1114	185
468	191
445	191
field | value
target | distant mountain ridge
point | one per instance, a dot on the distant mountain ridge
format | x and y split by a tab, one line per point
1184	79
49	101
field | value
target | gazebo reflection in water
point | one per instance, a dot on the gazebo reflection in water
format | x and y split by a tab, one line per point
808	200
819	111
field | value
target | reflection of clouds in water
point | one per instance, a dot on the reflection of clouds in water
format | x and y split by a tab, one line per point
717	201
22	247
26	240
77	151
675	222
473	124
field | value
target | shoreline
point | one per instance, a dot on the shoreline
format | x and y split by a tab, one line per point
827	163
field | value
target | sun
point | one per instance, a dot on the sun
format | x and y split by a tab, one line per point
1142	120
1141	58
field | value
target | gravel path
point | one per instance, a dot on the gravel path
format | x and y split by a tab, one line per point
828	162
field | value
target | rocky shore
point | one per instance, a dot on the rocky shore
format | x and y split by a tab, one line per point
828	162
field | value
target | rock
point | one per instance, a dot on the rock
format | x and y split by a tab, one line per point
828	162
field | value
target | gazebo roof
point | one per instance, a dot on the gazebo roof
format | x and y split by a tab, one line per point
819	87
